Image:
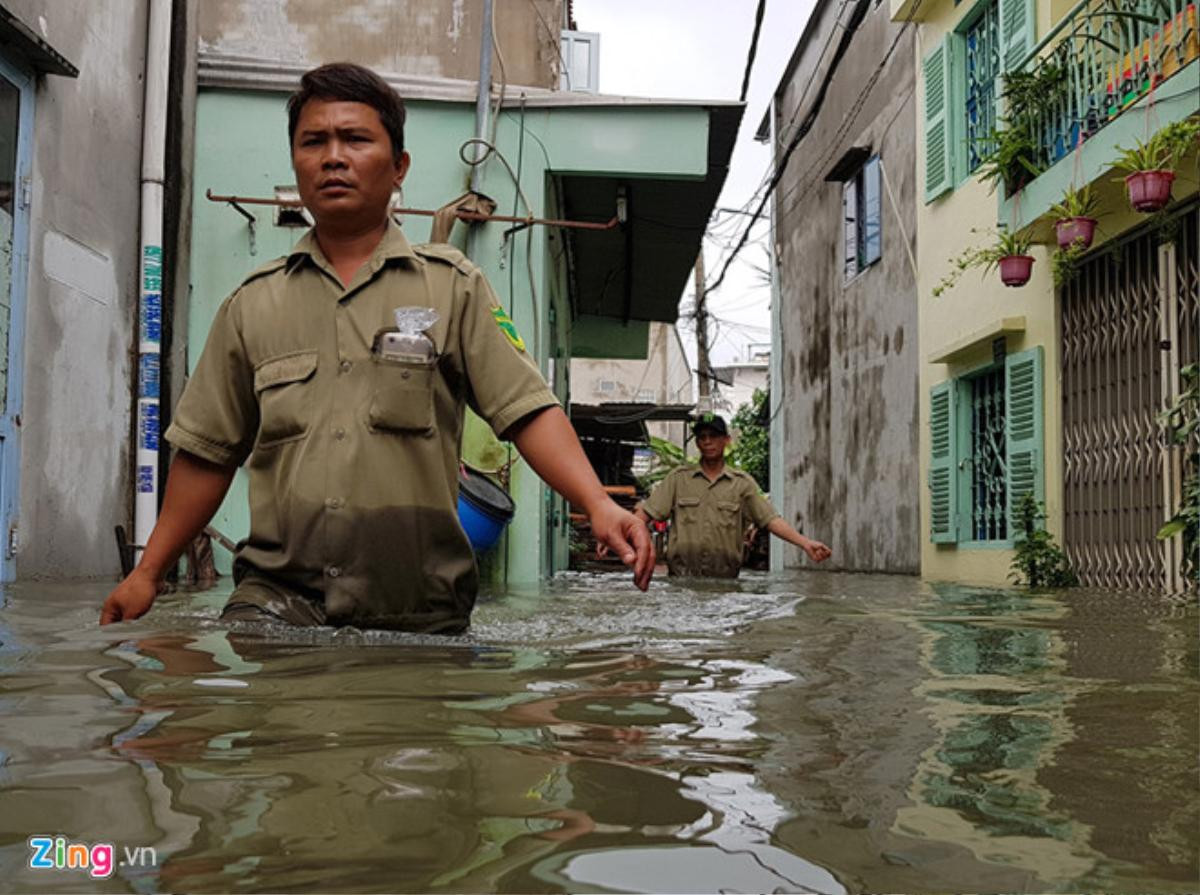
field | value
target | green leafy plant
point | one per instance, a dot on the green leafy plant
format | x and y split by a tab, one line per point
1076	203
1038	561
751	450
1005	244
1064	263
1013	156
1163	151
667	456
1181	423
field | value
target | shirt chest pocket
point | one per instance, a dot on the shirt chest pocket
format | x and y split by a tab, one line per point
284	389
401	397
688	509
728	513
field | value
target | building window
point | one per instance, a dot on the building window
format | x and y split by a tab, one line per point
986	450
862	216
961	77
982	68
580	63
989	458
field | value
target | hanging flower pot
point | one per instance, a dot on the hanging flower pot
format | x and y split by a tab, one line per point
1015	270
1070	231
1149	190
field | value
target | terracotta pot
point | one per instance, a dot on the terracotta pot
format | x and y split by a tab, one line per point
1015	269
1149	190
1075	230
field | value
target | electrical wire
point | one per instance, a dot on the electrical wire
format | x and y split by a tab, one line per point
802	130
758	20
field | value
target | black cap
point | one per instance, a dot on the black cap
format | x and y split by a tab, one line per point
711	421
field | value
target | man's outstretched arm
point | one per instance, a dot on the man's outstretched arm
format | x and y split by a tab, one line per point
816	551
195	489
549	444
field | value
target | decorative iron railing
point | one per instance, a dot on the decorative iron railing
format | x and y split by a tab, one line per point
1110	54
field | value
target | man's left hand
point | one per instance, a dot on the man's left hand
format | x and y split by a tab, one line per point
816	551
626	535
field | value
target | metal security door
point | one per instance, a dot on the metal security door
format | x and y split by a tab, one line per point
1127	323
16	139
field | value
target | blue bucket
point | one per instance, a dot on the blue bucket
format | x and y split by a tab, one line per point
484	509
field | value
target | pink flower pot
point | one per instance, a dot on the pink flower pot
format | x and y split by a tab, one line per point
1016	269
1149	190
1075	230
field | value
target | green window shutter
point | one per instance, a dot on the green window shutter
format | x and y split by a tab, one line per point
939	117
1018	29
943	463
1024	426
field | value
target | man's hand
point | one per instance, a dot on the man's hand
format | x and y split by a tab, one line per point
627	536
131	599
816	551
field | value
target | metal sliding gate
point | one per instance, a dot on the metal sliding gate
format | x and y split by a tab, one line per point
1127	323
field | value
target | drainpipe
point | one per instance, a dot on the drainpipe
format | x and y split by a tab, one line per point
483	103
154	133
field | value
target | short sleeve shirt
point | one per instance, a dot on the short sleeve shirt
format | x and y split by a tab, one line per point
353	457
708	519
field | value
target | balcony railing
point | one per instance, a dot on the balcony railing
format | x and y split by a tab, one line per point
1111	53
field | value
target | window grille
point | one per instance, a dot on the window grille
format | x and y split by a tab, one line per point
989	501
983	67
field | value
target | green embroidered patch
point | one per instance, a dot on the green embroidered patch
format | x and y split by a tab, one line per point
508	328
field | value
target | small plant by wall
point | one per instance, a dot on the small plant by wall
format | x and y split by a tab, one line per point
1039	561
1181	422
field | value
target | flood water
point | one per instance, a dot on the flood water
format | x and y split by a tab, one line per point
808	733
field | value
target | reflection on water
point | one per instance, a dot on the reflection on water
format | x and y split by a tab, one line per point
812	733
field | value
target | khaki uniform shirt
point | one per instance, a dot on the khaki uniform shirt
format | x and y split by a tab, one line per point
353	458
708	519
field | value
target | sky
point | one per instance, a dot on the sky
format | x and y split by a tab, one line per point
696	49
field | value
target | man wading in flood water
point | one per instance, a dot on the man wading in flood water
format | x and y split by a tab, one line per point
339	375
710	506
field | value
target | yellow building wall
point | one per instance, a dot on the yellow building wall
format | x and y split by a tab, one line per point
977	301
943	232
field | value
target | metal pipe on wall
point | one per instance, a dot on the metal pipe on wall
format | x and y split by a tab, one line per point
154	132
483	103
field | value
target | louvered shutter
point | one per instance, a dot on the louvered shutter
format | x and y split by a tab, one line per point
939	174
1024	427
943	464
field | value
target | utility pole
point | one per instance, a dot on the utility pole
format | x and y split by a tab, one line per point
703	370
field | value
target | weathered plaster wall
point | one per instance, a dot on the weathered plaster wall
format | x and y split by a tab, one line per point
416	37
82	292
848	364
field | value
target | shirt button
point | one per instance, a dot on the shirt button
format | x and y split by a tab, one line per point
333	571
333	502
339	433
346	365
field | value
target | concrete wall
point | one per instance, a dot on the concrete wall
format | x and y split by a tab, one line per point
438	38
83	288
845	416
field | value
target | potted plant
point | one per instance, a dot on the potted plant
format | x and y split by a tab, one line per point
1150	166
1009	252
1014	156
1074	218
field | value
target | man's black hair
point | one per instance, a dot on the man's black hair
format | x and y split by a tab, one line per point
347	82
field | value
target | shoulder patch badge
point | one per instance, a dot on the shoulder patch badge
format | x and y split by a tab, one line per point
508	328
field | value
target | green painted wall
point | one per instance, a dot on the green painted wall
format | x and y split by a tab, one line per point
241	149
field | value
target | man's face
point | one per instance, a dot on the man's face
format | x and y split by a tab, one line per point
345	170
710	444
